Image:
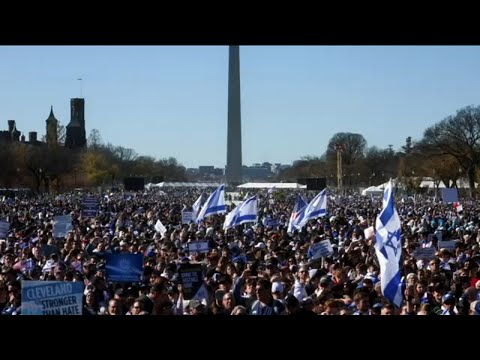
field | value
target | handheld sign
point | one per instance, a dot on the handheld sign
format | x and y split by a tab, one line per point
321	249
52	297
191	276
124	267
198	246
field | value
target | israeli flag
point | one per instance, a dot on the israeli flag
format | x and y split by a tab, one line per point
316	208
197	205
389	248
245	212
297	214
215	204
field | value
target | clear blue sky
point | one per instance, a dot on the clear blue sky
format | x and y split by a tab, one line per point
167	101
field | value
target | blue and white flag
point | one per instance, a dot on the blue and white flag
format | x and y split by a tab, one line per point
215	204
316	208
243	213
297	214
389	248
197	205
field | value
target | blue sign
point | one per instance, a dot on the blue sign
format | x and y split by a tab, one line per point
321	249
90	207
124	267
191	276
4	228
269	222
52	297
450	195
89	213
62	225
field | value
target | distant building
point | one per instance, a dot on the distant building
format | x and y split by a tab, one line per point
76	136
12	134
209	170
257	172
52	126
33	140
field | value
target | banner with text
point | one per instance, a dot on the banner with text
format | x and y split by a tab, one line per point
191	276
448	245
124	267
321	249
62	224
425	254
52	297
187	217
90	207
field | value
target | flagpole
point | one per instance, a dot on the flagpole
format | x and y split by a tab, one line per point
81	87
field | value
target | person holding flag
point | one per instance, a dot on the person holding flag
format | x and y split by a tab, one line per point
388	248
197	205
297	214
245	212
215	204
315	209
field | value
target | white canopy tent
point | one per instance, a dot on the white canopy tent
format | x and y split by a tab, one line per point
271	185
372	190
430	184
182	184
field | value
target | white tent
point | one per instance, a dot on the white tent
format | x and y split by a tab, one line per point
463	184
372	190
430	184
183	184
271	185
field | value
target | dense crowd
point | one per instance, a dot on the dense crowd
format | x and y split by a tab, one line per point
252	269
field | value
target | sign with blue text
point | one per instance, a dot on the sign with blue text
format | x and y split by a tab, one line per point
52	297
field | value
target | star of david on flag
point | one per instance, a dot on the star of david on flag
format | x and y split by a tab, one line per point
388	248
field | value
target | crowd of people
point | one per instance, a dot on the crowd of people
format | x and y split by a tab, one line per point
252	269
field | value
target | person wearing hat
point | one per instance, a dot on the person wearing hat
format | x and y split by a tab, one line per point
195	307
323	286
448	304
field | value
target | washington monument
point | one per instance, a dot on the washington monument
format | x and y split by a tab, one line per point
233	171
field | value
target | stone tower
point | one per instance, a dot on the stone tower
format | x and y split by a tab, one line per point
52	126
76	137
233	171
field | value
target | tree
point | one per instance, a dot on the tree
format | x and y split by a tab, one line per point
94	164
61	134
94	139
35	161
458	136
354	147
407	148
7	159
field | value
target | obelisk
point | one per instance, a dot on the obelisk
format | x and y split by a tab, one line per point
233	171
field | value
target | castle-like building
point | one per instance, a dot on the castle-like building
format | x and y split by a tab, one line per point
75	132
